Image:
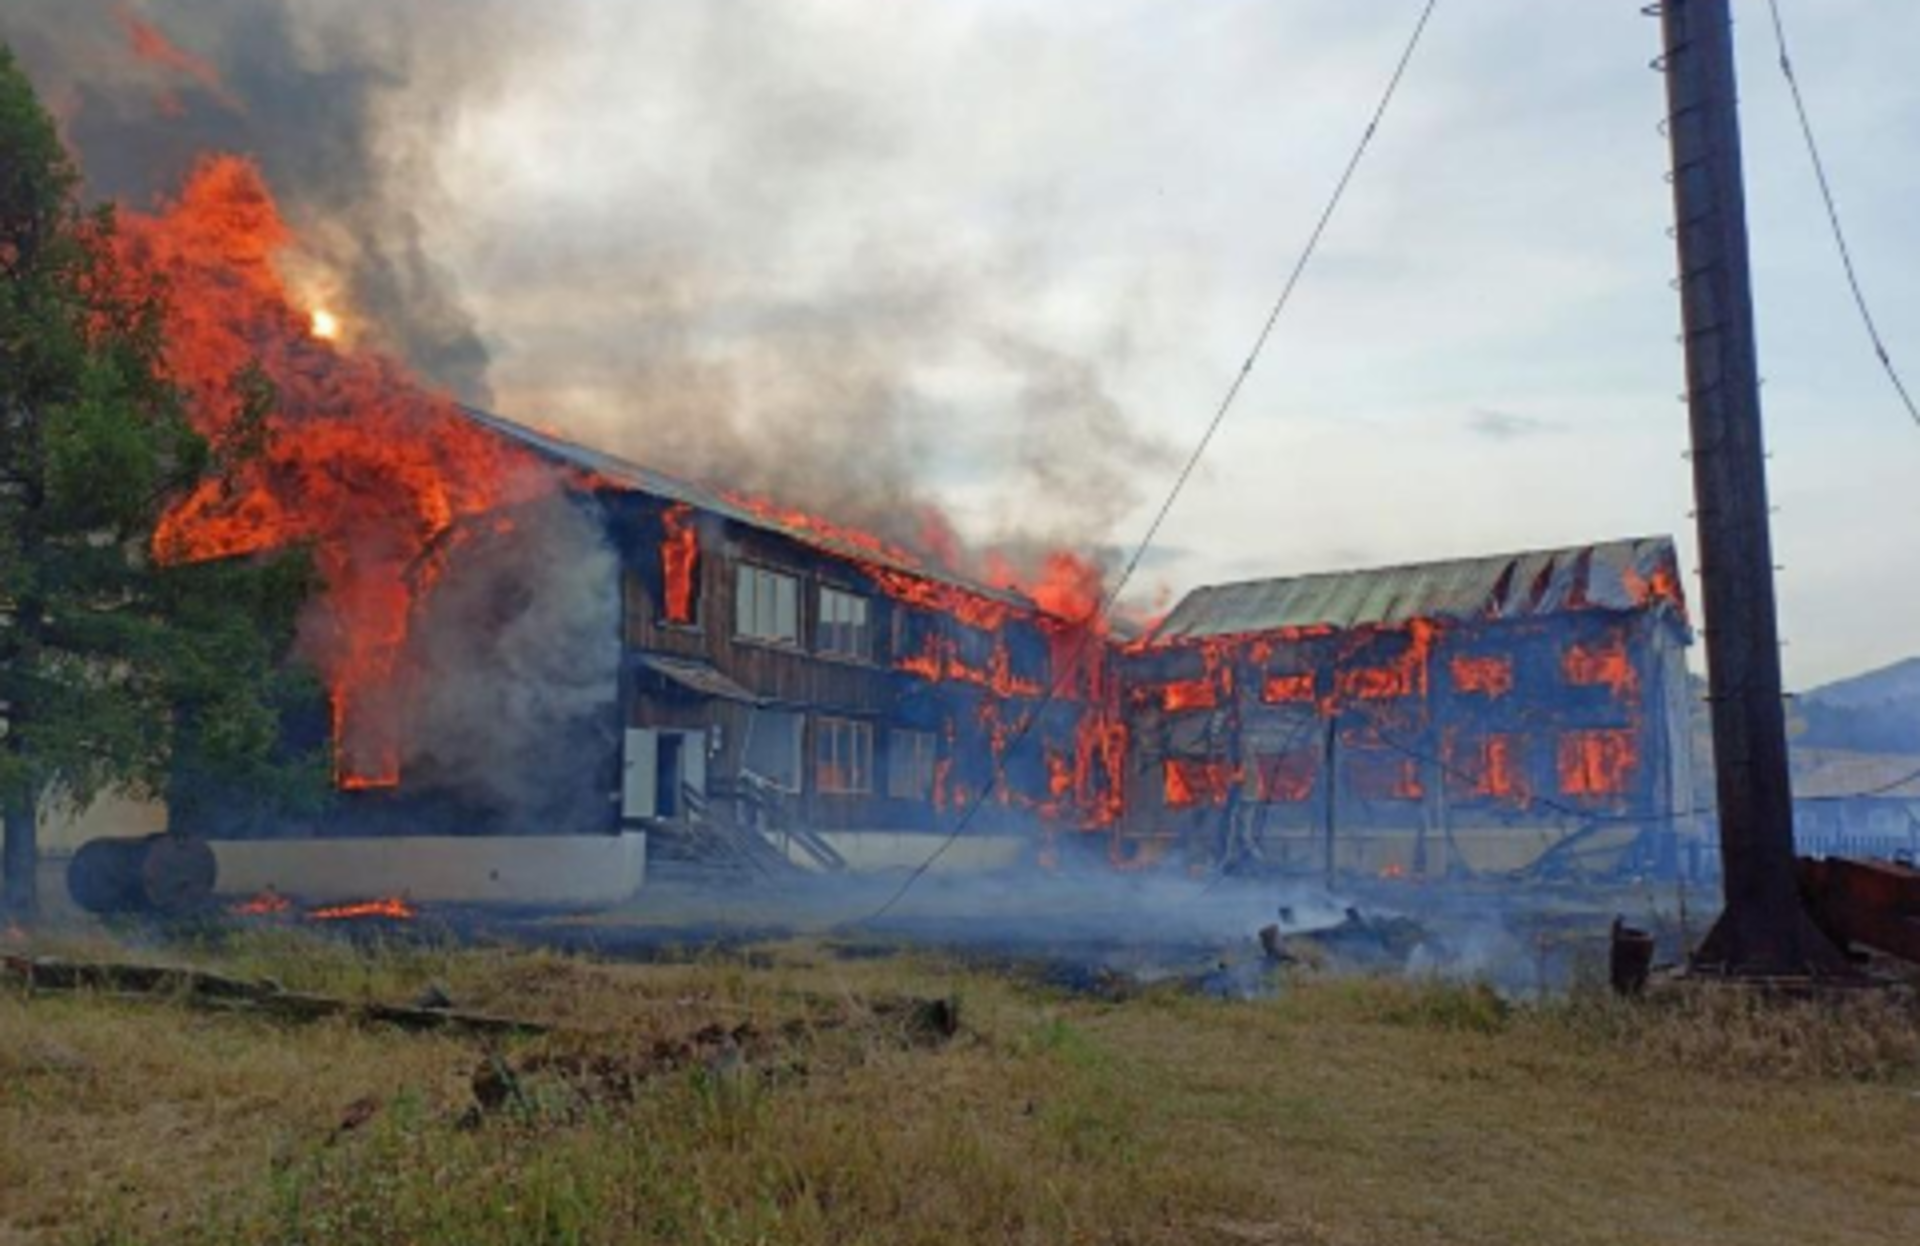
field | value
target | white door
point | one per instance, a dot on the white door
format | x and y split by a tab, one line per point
639	775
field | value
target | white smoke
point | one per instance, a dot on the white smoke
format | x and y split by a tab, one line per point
513	670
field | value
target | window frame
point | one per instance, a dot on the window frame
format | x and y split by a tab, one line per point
747	606
764	718
830	601
920	749
830	734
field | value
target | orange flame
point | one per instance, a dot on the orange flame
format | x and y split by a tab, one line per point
265	904
360	460
1605	663
149	45
1491	676
395	908
679	553
1597	763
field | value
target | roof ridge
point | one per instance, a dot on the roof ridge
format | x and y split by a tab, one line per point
717	499
1430	563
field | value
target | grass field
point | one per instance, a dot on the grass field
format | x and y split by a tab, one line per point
791	1096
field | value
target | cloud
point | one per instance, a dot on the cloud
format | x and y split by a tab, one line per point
1508	425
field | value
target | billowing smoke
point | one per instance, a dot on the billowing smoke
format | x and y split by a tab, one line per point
721	239
513	662
326	98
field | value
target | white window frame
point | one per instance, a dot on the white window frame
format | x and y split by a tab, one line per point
913	759
842	747
765	724
758	598
839	613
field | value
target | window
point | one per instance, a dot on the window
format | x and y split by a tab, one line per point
1490	675
1187	782
766	606
1604	663
1379	774
843	629
1596	763
842	756
1286	778
773	748
679	566
1490	766
910	763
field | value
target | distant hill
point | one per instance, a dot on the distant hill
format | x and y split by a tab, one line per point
1878	712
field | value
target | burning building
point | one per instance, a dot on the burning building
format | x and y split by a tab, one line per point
724	680
1424	720
545	666
632	667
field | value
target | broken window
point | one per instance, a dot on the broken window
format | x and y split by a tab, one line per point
843	629
911	757
766	606
1489	675
1192	781
1597	763
1490	766
1287	778
842	756
1604	663
1381	774
772	751
1280	689
679	566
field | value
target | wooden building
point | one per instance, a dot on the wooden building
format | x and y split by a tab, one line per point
1518	711
787	682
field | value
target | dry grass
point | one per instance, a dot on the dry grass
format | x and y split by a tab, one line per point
1345	1111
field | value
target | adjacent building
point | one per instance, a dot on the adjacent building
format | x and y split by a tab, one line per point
1521	711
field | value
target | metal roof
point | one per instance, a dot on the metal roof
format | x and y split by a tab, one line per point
611	471
699	678
1613	575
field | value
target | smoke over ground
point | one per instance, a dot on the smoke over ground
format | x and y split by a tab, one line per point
701	236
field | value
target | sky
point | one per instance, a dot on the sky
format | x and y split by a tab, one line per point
1008	257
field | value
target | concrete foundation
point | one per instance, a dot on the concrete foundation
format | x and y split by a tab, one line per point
549	871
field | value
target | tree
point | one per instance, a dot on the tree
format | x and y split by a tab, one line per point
115	672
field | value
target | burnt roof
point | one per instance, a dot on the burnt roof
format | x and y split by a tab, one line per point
1625	575
613	472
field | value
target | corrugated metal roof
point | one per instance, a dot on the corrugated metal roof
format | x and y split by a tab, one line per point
622	474
1614	575
696	677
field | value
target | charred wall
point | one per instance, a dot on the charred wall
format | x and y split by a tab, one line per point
1427	749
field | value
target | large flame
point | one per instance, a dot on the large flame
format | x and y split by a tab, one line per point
360	460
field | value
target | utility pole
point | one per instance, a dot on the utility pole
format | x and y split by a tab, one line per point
1764	929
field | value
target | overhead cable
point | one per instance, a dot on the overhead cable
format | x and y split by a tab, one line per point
1226	405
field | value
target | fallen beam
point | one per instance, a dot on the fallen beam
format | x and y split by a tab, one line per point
212	990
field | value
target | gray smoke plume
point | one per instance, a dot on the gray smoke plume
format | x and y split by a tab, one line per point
733	259
325	97
512	668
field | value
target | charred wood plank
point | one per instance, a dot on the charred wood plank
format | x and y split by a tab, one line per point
213	990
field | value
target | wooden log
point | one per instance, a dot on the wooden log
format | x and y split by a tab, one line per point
237	994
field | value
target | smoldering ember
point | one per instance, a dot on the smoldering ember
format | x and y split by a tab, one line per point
739	693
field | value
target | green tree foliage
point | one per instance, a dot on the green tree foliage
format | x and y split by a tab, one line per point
115	673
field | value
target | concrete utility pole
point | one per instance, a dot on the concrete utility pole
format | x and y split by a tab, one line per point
1764	929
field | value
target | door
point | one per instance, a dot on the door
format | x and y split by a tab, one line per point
639	784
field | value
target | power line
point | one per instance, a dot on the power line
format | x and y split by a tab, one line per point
1227	401
1833	216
